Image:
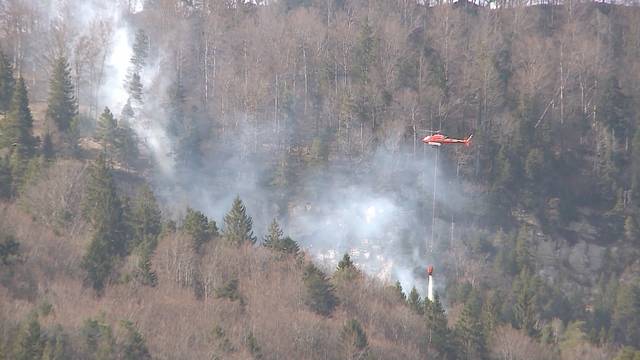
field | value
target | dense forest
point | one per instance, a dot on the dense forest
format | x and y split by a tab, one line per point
221	179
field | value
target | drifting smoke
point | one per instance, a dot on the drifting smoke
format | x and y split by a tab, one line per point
379	212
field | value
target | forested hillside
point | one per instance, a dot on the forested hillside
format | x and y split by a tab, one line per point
228	180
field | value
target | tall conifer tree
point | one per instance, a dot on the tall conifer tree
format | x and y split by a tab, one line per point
237	225
62	107
105	213
7	83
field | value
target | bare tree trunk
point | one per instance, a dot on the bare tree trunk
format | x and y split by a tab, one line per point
306	81
561	84
276	122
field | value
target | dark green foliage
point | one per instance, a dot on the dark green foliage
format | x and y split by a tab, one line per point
9	250
106	128
397	288
345	263
626	315
105	213
134	346
6	179
98	343
415	302
199	228
628	353
229	291
127	114
134	88
439	335
502	178
224	345
319	293
62	107
274	240
7	83
17	129
140	50
146	219
176	100
616	108
524	309
146	273
274	235
125	143
365	53
470	334
354	340
535	165
253	346
523	257
29	343
237	225
346	270
57	346
48	152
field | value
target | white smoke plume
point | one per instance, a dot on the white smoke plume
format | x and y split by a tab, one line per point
379	213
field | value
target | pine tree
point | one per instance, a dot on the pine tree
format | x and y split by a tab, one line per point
62	107
253	346
237	225
276	241
438	331
470	334
415	302
345	263
134	346
616	108
397	288
631	229
9	250
228	291
346	270
17	129
176	100
274	235
57	346
106	128
524	309
6	180
140	51
354	340
7	83
628	353
48	152
147	219
29	343
199	228
523	256
134	88
99	343
319	294
127	114
626	315
125	143
146	273
105	213
365	53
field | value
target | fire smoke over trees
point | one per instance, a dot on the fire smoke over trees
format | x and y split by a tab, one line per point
299	122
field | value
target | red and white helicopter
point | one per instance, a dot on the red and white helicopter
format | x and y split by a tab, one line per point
438	139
